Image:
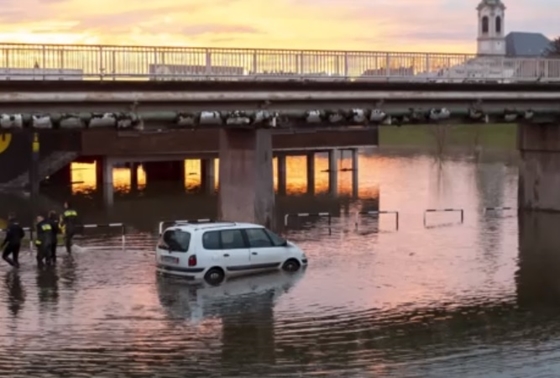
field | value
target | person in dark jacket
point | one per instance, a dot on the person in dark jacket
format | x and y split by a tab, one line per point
69	223
44	240
12	241
53	220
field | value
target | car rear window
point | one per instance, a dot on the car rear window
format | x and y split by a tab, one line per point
177	240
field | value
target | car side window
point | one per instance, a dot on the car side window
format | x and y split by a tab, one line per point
211	240
277	241
258	238
232	239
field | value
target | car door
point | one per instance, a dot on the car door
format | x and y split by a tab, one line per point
264	254
233	251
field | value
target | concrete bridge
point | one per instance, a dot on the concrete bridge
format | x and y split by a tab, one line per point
97	116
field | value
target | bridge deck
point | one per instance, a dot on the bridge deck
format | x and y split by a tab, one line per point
250	86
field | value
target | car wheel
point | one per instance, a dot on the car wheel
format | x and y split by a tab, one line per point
291	265
214	276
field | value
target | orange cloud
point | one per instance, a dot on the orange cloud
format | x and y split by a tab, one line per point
396	25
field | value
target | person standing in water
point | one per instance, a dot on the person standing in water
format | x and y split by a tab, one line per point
12	241
53	220
43	241
68	224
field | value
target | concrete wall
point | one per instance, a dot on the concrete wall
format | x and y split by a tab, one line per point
115	143
15	150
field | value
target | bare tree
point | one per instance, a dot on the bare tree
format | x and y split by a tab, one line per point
553	51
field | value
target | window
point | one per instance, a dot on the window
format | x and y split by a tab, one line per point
277	241
177	240
258	238
485	27
232	239
227	239
498	24
211	240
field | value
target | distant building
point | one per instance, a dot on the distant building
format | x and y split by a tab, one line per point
492	40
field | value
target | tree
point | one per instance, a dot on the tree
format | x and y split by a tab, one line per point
553	51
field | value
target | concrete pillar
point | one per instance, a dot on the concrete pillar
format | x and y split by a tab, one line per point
355	170
282	174
207	175
34	179
246	192
133	176
539	168
537	279
104	171
310	160
333	171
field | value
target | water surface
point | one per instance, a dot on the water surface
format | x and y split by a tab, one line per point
449	299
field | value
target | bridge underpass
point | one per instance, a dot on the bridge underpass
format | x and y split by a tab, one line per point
246	117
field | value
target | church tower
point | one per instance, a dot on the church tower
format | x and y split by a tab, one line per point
491	37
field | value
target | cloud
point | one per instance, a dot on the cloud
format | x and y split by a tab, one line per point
407	25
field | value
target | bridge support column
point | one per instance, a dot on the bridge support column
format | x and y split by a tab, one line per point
539	169
281	161
310	160
104	170
34	179
355	170
207	175
246	192
133	176
333	171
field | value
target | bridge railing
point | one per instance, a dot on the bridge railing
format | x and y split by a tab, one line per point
87	62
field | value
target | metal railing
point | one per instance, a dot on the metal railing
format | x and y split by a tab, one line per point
86	62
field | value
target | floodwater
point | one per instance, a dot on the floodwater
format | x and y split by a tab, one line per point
441	299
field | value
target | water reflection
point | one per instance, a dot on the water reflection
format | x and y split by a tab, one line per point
16	294
472	300
85	181
47	284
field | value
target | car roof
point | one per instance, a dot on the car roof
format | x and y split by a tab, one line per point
191	227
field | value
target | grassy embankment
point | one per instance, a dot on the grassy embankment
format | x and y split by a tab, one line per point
490	136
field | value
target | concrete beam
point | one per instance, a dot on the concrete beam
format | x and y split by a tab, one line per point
248	96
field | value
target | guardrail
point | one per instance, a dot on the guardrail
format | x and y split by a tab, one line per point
307	215
496	209
461	211
122	226
372	213
86	62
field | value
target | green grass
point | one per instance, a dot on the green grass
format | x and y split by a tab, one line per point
490	136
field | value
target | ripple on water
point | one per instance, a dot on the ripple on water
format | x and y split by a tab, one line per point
434	302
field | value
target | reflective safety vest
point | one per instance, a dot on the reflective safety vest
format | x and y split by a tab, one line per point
45	228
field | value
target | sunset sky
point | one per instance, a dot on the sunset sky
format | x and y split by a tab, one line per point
395	25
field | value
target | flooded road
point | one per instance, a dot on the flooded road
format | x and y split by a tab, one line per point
445	299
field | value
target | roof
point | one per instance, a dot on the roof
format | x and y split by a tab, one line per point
526	44
212	225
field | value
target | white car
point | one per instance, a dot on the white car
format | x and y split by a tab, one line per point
212	251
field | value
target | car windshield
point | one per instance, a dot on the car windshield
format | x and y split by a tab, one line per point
177	240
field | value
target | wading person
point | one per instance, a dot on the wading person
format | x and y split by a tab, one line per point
12	242
43	241
68	224
53	220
